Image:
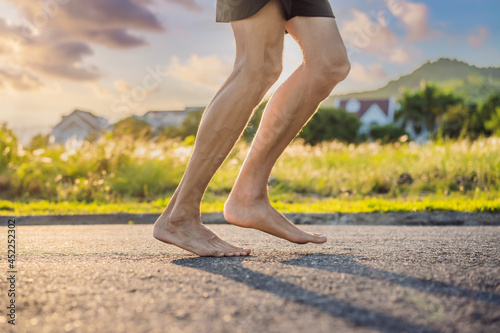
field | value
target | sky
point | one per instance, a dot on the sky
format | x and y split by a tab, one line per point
116	58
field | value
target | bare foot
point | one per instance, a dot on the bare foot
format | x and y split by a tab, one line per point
193	236
259	214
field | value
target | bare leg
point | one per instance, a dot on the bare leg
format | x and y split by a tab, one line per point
259	49
325	64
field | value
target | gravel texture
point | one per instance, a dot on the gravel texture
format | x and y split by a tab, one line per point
117	278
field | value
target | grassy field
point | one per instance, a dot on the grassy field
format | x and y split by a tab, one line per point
129	176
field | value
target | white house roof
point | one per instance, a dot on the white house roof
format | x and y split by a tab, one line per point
77	126
84	119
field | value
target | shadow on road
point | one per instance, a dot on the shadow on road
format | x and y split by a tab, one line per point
348	264
233	269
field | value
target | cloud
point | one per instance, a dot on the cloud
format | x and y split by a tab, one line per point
18	80
102	22
55	37
400	55
99	91
369	74
122	86
373	35
479	38
114	38
415	17
364	33
63	59
208	71
190	5
10	38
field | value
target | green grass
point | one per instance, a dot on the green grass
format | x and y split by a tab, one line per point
285	205
110	171
110	176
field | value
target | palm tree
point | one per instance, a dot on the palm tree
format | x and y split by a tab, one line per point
425	108
411	112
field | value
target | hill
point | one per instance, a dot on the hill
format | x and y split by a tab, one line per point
471	82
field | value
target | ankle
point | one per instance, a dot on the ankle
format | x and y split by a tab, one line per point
182	215
247	195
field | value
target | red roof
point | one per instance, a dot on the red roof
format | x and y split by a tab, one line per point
365	104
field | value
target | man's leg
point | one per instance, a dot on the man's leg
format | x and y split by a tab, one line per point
325	64
259	50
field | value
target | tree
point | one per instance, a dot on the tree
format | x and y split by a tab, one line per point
455	121
387	133
411	111
188	127
425	108
493	124
487	114
329	124
39	141
190	124
132	127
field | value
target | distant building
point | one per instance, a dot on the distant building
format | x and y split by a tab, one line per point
164	118
158	119
77	126
370	111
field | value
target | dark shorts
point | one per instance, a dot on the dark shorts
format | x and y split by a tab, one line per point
233	10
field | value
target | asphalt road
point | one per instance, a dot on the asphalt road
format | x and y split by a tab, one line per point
117	278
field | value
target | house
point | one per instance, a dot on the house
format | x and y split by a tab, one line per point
77	126
158	119
370	111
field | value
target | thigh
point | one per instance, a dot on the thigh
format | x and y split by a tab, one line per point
260	37
318	37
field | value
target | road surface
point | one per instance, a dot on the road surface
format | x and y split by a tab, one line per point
117	278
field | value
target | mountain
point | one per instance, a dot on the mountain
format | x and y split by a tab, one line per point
473	83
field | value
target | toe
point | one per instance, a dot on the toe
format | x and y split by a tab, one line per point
236	251
319	238
217	253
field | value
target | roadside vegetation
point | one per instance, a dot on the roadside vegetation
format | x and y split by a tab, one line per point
125	175
328	168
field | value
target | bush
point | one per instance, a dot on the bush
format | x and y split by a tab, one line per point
490	112
8	146
254	122
39	141
190	124
113	170
455	121
331	124
494	123
188	128
387	133
133	128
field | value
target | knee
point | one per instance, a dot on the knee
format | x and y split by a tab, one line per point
328	72
271	72
262	74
